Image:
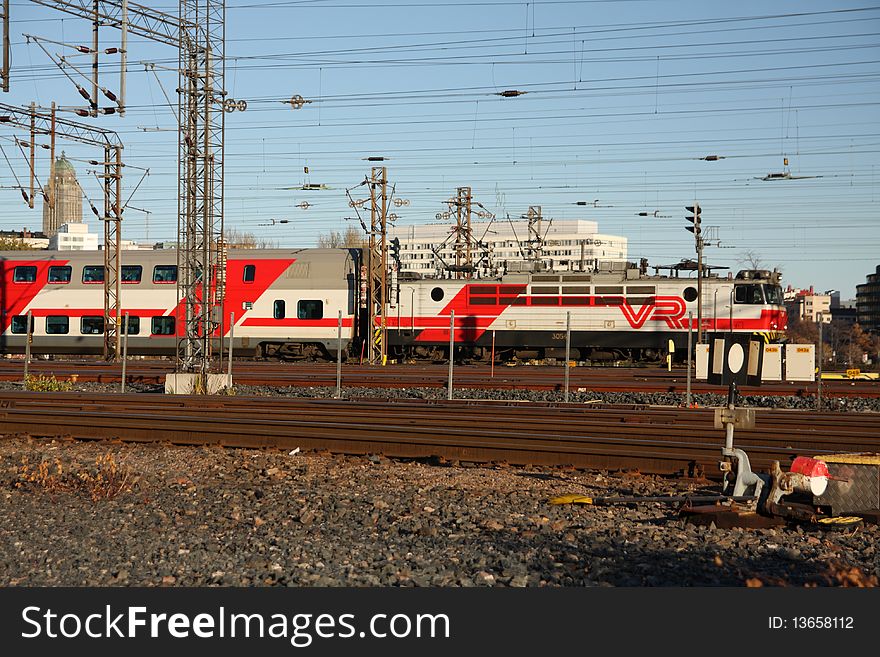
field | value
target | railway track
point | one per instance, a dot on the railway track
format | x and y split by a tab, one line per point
405	376
661	440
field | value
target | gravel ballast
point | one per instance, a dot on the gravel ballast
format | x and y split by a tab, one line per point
209	516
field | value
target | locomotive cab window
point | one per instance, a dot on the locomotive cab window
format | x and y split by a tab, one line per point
310	309
92	325
131	274
773	294
165	274
19	324
437	294
60	274
57	324
93	274
25	274
250	273
690	294
748	294
163	325
278	311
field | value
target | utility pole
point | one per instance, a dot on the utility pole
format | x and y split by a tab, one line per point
463	233
377	268
4	71
695	210
535	242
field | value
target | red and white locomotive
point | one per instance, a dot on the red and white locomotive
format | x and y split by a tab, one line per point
286	304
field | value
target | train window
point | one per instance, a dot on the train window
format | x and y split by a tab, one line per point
545	301
57	324
640	301
536	289
165	274
279	309
163	325
131	274
773	293
483	301
576	277
748	294
19	324
250	272
93	274
545	278
60	274
310	309
25	274
609	289
640	289
91	325
690	294
134	325
437	294
575	289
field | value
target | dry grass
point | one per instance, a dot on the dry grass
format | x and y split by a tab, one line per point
106	480
47	384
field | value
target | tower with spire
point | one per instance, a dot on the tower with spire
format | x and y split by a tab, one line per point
64	203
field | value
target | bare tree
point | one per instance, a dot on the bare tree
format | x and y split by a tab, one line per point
238	239
351	238
751	259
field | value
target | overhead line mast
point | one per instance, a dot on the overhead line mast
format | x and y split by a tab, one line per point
198	32
40	124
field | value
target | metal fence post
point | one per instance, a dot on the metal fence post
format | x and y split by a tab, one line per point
492	366
27	345
689	353
339	356
124	352
567	350
821	354
451	351
229	354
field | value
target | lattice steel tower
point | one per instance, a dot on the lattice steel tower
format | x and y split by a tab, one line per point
201	253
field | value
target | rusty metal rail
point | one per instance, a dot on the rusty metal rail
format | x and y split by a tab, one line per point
659	440
545	378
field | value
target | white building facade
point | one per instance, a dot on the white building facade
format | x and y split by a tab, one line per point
73	237
502	245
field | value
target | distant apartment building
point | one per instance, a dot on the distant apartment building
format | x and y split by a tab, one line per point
808	305
504	245
868	302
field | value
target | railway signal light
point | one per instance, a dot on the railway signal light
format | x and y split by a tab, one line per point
694	218
395	249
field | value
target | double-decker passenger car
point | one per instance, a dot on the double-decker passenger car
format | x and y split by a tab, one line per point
284	302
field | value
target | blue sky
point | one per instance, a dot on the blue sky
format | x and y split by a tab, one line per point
623	100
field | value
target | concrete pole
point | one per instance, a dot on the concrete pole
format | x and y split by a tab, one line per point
124	351
567	350
451	352
339	356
